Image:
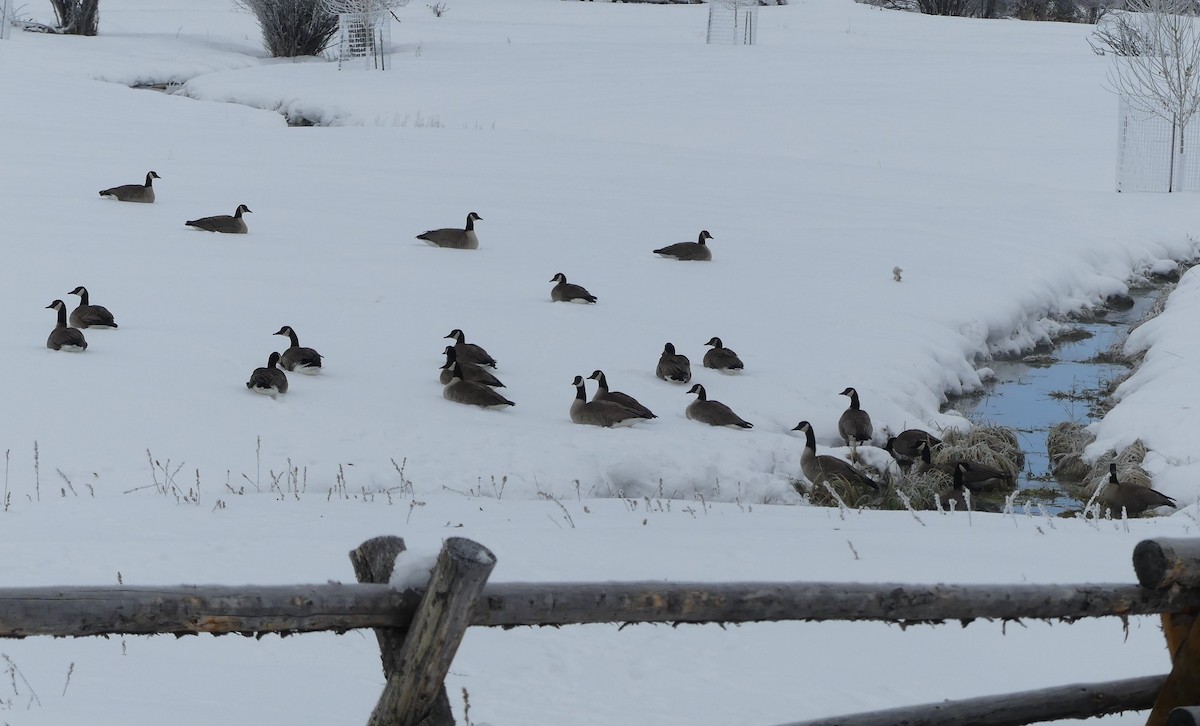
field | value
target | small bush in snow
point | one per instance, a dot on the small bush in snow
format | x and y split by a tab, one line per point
77	17
293	27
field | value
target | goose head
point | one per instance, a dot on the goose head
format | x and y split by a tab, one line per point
80	290
242	208
273	360
699	391
473	217
285	330
1112	473
457	335
849	392
704	235
715	342
559	278
960	469
57	305
669	349
596	375
577	382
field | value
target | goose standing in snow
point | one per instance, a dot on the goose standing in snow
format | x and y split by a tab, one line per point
469	352
621	399
672	366
1133	498
855	424
567	292
269	380
599	413
133	192
469	371
226	223
62	337
295	358
713	413
828	469
452	237
88	315
696	251
721	358
459	390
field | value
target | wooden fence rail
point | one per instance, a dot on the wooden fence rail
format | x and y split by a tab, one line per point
419	631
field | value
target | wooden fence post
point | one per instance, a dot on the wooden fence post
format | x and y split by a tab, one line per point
417	683
1164	564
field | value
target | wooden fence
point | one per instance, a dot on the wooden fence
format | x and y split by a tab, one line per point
419	631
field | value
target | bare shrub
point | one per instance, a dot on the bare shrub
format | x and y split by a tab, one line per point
293	27
77	17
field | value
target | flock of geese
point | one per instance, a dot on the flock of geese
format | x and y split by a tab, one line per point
466	378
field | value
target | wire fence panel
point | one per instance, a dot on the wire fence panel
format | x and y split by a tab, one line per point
732	22
1153	153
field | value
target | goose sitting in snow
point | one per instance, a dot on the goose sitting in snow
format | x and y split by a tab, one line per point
469	352
672	366
269	380
459	390
226	223
454	238
621	399
295	358
976	476
470	371
696	251
567	292
713	413
133	192
88	315
599	413
62	337
721	358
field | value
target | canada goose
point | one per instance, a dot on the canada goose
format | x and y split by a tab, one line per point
721	358
672	366
469	352
825	468
223	222
133	192
295	358
90	316
567	292
470	371
976	477
1134	499
713	413
62	337
956	497
454	238
905	445
599	413
471	393
621	399
269	381
688	251
855	424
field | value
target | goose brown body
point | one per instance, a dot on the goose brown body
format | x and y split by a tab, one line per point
143	193
855	424
469	352
713	413
88	315
696	251
823	468
617	397
64	338
721	358
1132	498
568	292
452	237
672	366
297	358
268	380
599	413
224	223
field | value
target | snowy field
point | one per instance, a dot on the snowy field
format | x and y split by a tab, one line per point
977	156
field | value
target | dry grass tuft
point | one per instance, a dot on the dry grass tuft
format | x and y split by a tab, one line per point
991	445
1064	445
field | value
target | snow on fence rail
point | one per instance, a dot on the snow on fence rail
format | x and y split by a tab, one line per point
419	630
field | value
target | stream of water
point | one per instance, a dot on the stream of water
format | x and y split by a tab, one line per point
1032	394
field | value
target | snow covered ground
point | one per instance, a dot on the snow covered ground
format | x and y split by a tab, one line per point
977	156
